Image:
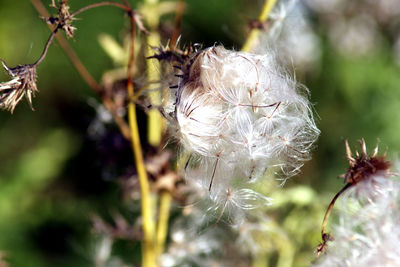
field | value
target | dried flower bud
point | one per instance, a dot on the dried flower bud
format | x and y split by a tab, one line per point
23	83
238	114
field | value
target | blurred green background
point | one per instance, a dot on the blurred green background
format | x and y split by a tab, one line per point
54	175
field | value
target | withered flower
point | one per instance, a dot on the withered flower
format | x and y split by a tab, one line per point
366	232
362	168
364	165
23	83
63	19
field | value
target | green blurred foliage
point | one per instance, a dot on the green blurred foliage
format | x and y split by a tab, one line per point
52	176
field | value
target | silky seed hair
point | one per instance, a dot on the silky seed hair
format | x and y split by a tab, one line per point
238	114
367	231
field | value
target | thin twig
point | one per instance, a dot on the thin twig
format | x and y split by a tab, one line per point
328	211
137	18
84	73
105	3
46	48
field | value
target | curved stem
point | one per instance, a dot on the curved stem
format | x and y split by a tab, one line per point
105	3
46	48
329	210
84	73
254	33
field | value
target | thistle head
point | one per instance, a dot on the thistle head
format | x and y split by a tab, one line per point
238	114
23	83
63	19
367	230
363	165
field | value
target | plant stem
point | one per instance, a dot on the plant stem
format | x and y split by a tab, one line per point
328	211
149	256
162	224
131	132
105	3
166	197
46	48
84	73
177	26
155	122
254	33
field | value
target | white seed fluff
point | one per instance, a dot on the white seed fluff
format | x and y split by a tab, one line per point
368	230
239	114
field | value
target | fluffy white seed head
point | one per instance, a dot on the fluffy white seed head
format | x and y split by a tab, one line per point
368	232
238	114
193	243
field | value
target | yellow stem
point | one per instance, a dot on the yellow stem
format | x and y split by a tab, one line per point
155	121
148	250
254	33
146	205
163	217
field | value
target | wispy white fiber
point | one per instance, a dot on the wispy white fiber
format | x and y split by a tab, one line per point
368	230
238	114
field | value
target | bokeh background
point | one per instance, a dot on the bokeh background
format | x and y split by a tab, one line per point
65	163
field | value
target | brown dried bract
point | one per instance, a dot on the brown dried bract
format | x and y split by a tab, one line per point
322	247
158	166
63	19
364	165
22	84
173	55
361	168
